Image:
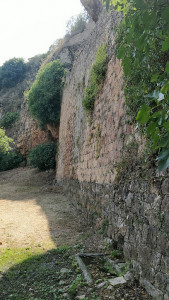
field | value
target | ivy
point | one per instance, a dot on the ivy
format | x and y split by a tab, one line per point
143	47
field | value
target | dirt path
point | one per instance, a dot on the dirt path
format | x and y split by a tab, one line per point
29	215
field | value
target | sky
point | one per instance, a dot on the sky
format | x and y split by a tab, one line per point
29	27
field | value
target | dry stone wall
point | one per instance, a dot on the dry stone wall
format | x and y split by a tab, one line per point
102	168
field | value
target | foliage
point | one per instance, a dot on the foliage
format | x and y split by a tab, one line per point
143	46
43	156
44	97
97	76
32	273
77	23
116	254
4	141
10	160
11	72
9	119
119	5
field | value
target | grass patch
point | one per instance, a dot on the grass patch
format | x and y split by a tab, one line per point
12	256
33	274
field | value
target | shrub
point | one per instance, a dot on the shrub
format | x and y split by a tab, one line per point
10	160
9	119
143	47
4	141
43	156
44	97
77	24
11	72
97	76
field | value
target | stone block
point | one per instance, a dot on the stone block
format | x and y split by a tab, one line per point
152	290
129	199
165	204
117	281
166	222
165	186
161	280
166	297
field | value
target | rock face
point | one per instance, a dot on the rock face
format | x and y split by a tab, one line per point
93	8
100	166
25	132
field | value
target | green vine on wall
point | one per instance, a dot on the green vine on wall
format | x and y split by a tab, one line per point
143	47
97	76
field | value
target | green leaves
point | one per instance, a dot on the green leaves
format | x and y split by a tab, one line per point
43	156
165	14
4	141
143	114
97	76
11	72
154	78
167	68
44	97
165	45
163	160
9	119
143	45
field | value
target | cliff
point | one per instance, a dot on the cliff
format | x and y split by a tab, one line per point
25	131
102	168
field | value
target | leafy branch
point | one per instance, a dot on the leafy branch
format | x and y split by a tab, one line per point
143	47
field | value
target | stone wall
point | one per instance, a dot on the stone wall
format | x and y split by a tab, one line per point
102	168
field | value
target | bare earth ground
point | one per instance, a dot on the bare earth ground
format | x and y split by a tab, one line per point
29	215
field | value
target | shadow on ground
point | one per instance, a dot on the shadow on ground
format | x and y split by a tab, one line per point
33	221
30	214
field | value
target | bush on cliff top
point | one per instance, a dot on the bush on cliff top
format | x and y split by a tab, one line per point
44	97
97	76
43	156
11	72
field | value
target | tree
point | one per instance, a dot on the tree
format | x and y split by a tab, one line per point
4	141
11	72
44	97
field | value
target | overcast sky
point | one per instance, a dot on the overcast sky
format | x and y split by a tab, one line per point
29	27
